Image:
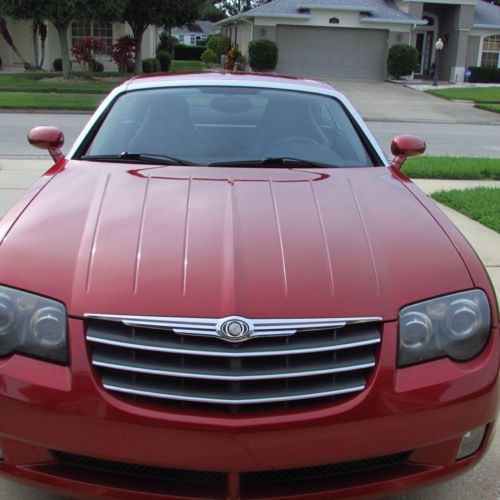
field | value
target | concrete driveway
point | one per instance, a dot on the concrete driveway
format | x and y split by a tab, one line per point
384	101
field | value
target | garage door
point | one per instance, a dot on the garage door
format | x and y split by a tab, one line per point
332	52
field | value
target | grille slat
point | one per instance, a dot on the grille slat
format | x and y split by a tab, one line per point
217	350
115	362
161	366
250	398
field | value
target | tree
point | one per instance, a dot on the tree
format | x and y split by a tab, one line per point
235	7
4	31
61	13
182	12
139	14
210	12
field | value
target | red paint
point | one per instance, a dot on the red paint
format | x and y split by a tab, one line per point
404	146
213	242
47	137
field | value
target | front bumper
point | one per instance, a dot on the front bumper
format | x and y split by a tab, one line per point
424	410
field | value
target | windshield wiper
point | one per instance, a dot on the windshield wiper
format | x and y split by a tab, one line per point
280	162
138	158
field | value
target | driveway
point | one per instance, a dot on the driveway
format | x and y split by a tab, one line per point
383	101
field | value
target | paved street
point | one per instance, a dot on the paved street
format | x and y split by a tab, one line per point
442	139
448	128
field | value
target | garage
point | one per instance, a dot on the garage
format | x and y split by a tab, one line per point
332	52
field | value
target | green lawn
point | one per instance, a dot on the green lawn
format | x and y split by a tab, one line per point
452	167
186	66
47	90
489	107
476	94
42	81
46	100
481	204
487	98
83	82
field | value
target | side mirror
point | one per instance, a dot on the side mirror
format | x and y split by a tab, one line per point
50	138
406	145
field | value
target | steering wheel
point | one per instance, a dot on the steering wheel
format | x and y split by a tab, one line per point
303	147
296	140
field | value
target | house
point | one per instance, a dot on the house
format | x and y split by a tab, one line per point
106	31
351	38
191	34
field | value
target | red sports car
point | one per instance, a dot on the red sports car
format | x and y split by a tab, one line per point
225	291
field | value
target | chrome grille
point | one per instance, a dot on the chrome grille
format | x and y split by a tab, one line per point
157	365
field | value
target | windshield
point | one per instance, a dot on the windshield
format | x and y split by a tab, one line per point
228	125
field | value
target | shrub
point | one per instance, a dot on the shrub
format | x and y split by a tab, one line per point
151	65
402	60
84	50
123	53
235	61
167	43
57	64
209	58
220	44
165	60
484	75
97	67
188	52
263	55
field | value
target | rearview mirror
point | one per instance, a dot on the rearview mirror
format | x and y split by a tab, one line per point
403	146
50	138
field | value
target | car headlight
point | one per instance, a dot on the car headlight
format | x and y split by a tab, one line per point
34	325
456	326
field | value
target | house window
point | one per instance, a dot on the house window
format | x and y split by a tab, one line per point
100	31
429	19
193	40
491	51
334	20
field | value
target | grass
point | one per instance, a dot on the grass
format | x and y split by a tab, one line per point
40	81
452	167
481	204
186	66
487	98
476	94
47	90
495	108
84	82
45	100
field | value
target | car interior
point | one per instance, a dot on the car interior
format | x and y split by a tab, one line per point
217	124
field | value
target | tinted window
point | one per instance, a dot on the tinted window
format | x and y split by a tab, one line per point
217	124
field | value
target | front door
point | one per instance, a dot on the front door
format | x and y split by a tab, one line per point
424	50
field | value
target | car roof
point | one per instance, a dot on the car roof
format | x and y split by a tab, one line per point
226	78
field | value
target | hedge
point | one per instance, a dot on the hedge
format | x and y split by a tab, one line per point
151	65
165	60
484	75
188	52
262	55
402	60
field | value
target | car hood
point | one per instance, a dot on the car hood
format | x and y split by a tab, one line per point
215	242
